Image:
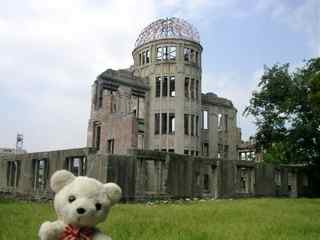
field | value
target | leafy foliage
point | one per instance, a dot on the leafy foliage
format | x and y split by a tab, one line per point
287	112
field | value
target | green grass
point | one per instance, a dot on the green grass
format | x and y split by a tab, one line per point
255	219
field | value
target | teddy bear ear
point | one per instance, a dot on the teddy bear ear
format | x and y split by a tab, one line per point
114	192
60	179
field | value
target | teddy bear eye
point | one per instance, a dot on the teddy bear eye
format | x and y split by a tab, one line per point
71	198
98	206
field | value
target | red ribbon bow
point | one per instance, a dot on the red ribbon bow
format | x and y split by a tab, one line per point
73	233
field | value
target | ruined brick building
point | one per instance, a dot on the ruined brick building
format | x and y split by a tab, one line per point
154	132
157	103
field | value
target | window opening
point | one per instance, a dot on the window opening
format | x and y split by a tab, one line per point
165	86
192	125
197	126
143	57
110	148
171	123
186	87
206	182
98	137
158	86
197	90
147	56
159	53
205	149
192	88
186	124
172	86
219	121
76	165
172	52
164	123
40	174
186	53
13	173
205	119
156	123
226	122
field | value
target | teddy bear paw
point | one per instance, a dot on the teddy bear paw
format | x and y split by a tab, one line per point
49	230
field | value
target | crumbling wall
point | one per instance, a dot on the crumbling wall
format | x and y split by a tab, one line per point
146	174
30	175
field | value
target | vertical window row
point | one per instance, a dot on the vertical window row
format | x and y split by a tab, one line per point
193	127
169	53
167	123
144	57
191	88
168	86
166	53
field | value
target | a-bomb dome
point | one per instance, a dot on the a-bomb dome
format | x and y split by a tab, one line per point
168	28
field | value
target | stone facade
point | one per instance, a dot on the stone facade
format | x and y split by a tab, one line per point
117	112
221	137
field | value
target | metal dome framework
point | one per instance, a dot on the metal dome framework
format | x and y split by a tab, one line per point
168	28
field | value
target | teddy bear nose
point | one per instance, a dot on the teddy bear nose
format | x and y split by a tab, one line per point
81	210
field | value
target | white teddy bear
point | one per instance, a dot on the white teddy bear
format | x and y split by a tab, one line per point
80	204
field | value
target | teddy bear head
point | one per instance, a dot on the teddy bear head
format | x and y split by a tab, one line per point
82	201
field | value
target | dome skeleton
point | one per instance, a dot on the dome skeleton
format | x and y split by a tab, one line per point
168	28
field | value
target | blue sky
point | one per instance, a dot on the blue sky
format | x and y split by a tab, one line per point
52	51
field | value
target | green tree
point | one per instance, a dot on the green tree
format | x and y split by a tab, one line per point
286	108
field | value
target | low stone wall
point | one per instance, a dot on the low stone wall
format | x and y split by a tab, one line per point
144	174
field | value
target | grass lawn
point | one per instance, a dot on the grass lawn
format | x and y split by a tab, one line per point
245	219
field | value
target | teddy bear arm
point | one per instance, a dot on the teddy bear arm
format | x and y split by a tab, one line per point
100	236
51	230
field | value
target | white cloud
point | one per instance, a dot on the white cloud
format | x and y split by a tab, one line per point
51	52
